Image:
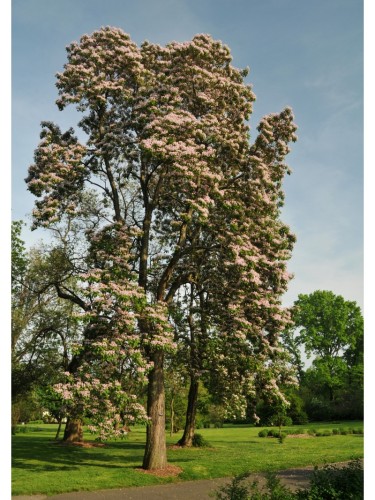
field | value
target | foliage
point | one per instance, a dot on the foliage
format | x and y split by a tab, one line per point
234	490
328	483
273	490
331	329
175	399
199	441
42	328
19	261
333	482
329	324
26	409
263	433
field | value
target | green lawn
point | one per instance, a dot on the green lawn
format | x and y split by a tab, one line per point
40	466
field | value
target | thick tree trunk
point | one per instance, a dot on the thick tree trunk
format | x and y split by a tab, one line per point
73	431
155	456
191	411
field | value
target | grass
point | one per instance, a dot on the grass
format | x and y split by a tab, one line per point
40	466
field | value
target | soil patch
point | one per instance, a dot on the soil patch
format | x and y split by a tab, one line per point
81	444
169	471
178	447
305	436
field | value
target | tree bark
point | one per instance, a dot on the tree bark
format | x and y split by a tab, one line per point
172	415
58	429
155	456
191	411
73	431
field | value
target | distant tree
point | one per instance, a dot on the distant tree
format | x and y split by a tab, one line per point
43	326
329	324
331	329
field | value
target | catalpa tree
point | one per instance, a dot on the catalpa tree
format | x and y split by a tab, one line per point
167	158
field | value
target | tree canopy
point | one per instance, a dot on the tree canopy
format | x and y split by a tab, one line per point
328	323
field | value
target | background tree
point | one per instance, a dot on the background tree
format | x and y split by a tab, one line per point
43	327
331	328
174	180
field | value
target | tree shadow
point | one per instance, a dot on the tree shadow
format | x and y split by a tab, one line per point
39	454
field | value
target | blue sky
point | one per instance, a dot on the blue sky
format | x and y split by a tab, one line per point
308	55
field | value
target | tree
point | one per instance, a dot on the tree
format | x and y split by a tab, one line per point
329	323
172	182
331	328
43	327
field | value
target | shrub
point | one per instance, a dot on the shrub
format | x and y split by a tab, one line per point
282	437
357	431
331	482
273	433
234	490
273	490
287	421
263	433
328	483
335	432
22	429
199	441
324	433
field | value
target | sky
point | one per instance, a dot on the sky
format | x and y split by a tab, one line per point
303	54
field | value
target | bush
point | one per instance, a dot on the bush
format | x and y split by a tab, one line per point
323	433
357	431
263	433
328	483
335	432
331	482
199	441
273	433
273	489
234	490
282	437
23	429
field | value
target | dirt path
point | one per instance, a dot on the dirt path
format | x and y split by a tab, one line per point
186	490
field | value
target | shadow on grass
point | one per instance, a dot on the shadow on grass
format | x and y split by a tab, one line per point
41	454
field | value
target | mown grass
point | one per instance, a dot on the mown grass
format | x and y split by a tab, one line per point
40	466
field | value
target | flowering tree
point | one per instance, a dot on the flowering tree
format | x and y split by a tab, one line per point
167	158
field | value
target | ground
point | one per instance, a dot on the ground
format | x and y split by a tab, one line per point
187	490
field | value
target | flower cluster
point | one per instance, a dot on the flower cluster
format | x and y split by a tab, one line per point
105	402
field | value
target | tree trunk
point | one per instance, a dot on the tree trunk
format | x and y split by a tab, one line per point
58	429
155	456
73	431
172	415
191	411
